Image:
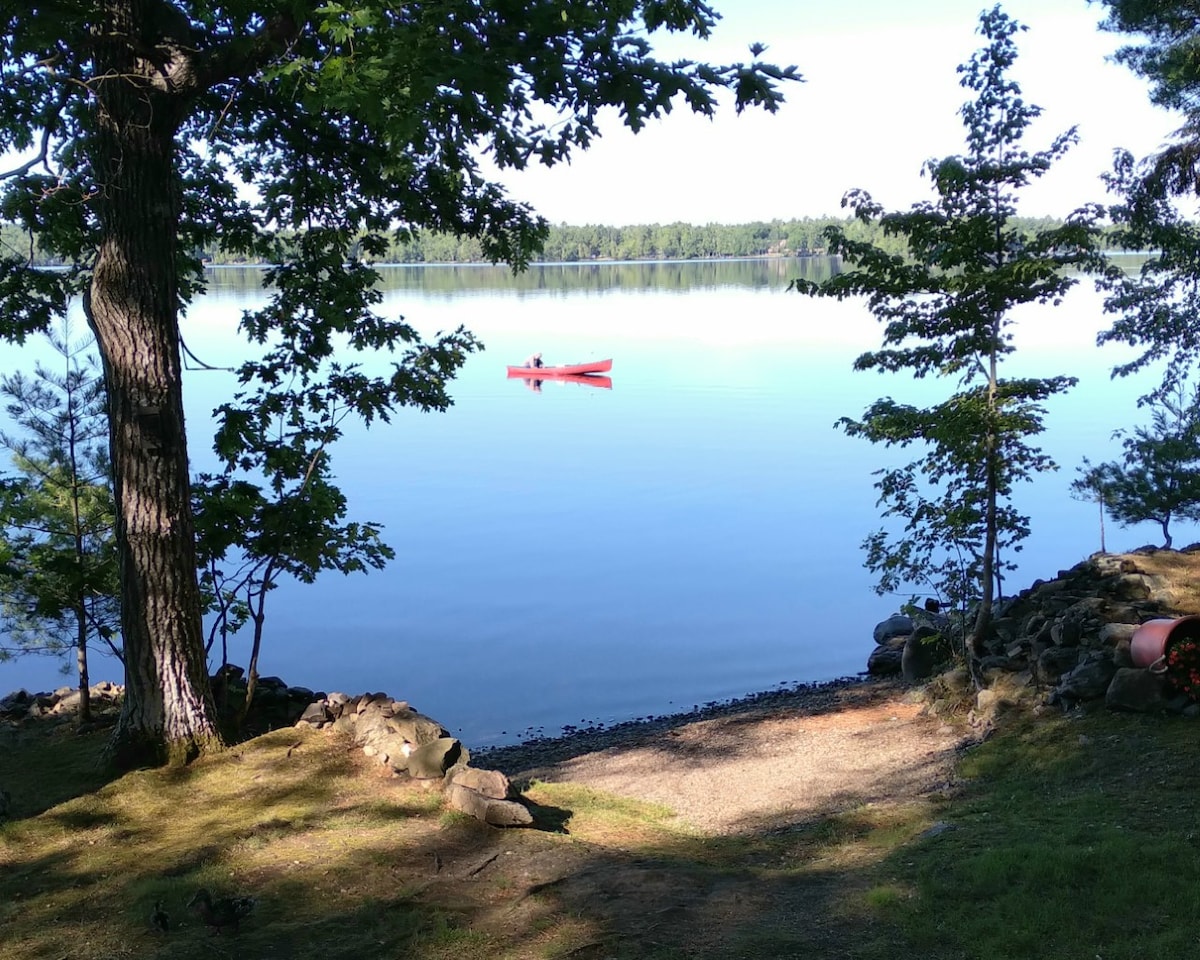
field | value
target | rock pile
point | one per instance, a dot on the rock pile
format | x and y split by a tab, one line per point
410	743
61	705
407	742
1056	644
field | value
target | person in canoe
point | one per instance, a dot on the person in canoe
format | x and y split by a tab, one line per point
534	360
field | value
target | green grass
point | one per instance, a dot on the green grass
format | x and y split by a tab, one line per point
1073	839
1067	839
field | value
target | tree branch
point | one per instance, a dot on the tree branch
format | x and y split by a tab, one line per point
48	131
241	57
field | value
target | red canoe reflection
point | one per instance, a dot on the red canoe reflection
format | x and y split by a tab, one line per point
587	379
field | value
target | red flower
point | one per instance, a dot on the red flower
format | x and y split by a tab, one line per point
1183	667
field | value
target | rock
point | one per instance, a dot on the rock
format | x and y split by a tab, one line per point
894	626
336	703
314	713
886	659
498	813
923	650
1088	681
416	728
1055	661
1066	632
430	761
346	723
490	783
1112	634
1132	586
1136	689
990	704
16	704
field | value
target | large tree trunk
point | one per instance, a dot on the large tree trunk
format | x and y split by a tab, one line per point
168	712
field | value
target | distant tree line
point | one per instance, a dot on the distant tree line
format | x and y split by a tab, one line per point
592	242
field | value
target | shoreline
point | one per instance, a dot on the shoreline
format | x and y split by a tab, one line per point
801	699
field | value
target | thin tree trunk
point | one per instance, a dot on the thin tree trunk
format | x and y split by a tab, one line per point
80	604
168	712
983	620
85	686
259	615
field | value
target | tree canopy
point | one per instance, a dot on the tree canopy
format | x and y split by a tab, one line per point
306	133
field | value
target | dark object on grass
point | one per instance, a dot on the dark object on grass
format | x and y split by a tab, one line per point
225	913
159	919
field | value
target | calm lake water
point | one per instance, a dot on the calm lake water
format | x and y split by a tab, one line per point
585	555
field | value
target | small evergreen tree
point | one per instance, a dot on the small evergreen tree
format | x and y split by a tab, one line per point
945	300
58	562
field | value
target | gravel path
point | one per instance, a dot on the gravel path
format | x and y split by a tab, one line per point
772	759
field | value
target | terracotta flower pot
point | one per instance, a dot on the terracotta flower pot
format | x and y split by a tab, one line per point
1152	639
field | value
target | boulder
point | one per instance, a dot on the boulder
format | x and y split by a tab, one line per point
1066	632
923	650
897	625
16	704
431	760
1088	681
1112	634
886	659
1055	661
1137	690
498	813
314	713
489	783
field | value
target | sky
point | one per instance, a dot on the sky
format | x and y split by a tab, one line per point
880	97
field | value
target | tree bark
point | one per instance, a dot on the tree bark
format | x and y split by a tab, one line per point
85	689
168	711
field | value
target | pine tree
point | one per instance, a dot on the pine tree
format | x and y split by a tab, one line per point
58	581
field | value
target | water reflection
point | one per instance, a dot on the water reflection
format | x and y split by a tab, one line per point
534	381
567	279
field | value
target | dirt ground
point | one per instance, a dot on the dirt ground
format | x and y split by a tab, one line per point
750	829
774	760
757	783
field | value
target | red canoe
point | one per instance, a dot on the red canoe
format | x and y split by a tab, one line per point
568	370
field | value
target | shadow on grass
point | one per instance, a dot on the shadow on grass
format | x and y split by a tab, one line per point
1064	843
43	766
1074	838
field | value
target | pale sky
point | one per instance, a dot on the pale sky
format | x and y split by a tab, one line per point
881	97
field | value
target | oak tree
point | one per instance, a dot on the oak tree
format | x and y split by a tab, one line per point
305	132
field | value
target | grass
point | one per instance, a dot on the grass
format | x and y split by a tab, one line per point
1074	838
1069	838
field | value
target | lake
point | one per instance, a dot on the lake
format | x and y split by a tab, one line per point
580	555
